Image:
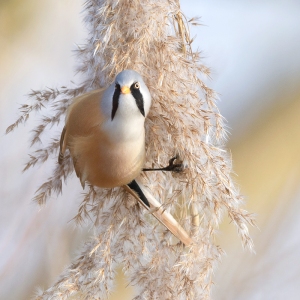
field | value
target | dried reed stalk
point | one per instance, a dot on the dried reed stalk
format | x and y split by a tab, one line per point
151	37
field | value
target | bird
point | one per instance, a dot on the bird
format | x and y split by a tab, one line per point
105	134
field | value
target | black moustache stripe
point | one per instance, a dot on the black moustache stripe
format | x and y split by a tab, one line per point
115	103
136	93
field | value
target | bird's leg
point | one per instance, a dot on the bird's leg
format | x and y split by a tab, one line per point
135	187
177	168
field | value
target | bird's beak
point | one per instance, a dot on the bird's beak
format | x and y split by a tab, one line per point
125	90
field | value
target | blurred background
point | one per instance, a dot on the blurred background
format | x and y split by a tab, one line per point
253	50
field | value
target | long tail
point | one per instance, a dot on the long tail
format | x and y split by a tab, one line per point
139	192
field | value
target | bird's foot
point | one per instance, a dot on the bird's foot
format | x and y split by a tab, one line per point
177	168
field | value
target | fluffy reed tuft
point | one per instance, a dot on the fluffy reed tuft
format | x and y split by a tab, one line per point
151	37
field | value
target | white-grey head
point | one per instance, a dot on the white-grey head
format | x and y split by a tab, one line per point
128	95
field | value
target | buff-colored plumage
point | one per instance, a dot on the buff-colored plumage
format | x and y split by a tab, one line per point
159	212
105	135
97	158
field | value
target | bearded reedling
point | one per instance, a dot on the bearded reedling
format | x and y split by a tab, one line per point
105	135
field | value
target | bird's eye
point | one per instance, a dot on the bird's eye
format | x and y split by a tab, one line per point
136	85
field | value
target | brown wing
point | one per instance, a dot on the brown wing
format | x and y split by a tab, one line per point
83	118
62	146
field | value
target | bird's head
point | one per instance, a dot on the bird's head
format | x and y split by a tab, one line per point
128	95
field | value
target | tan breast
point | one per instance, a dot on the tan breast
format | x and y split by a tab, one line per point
96	158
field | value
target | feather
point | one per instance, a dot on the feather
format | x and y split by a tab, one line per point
165	218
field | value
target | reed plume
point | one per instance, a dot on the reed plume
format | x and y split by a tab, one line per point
151	37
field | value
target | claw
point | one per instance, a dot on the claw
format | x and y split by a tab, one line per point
177	168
